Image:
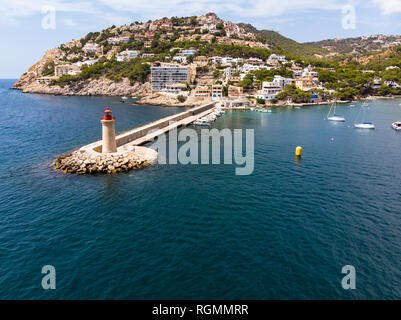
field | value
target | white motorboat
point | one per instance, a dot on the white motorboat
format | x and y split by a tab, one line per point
396	125
365	104
364	125
201	123
335	117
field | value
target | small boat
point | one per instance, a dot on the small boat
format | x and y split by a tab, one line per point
124	98
352	105
365	104
335	117
396	125
201	123
297	107
364	125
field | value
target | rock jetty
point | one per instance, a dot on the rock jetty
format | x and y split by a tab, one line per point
84	162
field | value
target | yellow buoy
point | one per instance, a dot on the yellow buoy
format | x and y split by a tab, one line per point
298	151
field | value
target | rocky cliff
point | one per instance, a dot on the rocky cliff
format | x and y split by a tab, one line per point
96	87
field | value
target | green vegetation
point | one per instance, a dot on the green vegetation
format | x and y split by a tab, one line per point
350	81
346	46
247	82
48	69
181	98
285	44
135	71
347	76
295	94
260	101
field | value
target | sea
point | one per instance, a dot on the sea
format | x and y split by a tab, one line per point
187	231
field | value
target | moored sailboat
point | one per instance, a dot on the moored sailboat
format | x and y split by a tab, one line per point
335	116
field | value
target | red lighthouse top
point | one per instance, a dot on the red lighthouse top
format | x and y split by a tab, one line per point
107	114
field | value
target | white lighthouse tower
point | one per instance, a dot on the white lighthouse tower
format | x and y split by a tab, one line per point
108	132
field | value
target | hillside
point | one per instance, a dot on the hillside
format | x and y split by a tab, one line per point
304	51
358	45
190	60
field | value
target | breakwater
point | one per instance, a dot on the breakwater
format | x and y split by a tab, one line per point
89	159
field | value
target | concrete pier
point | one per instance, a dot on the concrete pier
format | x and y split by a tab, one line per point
123	152
147	132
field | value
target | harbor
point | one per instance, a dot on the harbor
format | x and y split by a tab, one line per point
150	234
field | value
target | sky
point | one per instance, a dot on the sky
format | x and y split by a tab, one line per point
29	28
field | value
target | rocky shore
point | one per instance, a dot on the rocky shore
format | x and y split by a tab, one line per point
84	162
92	87
105	87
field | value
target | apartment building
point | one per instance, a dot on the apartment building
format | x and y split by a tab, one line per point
278	81
66	69
115	40
305	83
163	76
217	91
127	54
201	91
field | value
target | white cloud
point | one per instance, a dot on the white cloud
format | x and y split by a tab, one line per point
388	6
11	10
123	11
239	8
27	7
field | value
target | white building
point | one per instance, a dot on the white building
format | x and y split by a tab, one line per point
278	57
268	93
187	52
127	54
392	84
309	72
180	59
208	27
271	88
250	67
87	62
115	40
166	75
278	81
90	47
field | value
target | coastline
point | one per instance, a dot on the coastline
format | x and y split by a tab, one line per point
103	87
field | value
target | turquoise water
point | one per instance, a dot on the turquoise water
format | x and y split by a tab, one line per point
200	231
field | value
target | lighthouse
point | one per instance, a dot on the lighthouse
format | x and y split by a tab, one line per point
108	132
